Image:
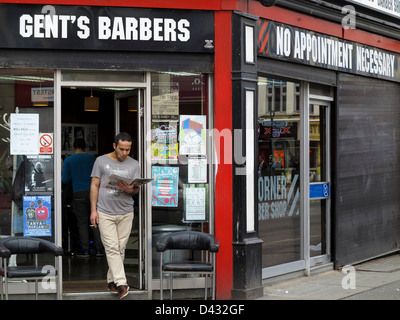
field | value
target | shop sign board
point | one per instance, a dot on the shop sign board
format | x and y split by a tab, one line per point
285	42
105	28
389	7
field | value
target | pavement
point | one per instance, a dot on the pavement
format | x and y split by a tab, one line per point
377	279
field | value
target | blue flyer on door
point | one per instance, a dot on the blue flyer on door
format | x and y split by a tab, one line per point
37	216
165	186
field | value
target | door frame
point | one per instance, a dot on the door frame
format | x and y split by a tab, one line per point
324	101
146	165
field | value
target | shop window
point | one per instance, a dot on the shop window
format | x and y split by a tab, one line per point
179	123
278	170
26	164
277	95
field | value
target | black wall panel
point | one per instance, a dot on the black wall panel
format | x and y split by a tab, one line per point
107	60
367	199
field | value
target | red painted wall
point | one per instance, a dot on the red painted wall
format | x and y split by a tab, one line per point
318	25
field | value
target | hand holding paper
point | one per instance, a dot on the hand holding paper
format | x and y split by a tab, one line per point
115	182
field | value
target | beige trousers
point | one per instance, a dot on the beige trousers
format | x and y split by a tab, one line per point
115	231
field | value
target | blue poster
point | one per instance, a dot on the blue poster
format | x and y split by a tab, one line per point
37	216
165	186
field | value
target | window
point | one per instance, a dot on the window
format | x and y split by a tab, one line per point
179	157
279	171
277	95
26	171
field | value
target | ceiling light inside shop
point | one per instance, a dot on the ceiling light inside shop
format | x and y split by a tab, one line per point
91	103
132	105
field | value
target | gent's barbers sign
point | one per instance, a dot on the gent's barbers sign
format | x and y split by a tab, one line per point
293	44
105	28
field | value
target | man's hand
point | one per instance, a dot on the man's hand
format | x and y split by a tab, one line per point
128	188
94	219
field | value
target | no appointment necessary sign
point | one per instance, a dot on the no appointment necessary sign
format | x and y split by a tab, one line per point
284	42
105	28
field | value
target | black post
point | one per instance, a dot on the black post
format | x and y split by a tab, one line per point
246	244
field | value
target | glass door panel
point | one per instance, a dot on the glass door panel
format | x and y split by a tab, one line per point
179	157
279	171
129	106
319	178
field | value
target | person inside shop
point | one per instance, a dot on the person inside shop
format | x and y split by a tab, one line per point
112	207
262	165
77	169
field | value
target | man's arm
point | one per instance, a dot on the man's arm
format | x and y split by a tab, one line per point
94	195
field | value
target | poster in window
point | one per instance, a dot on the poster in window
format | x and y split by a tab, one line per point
70	132
192	135
39	171
37	216
195	198
164	141
165	186
165	100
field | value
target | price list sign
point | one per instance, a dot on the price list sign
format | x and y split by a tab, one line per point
24	133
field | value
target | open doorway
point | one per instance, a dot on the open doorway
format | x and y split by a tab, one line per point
108	111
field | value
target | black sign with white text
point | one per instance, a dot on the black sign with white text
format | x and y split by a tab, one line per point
285	42
105	28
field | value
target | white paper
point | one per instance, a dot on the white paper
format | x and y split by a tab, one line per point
111	181
197	169
24	133
195	204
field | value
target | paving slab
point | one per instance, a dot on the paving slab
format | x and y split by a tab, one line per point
375	279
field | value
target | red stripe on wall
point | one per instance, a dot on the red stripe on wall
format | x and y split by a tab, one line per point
295	19
223	181
373	40
264	26
262	37
172	4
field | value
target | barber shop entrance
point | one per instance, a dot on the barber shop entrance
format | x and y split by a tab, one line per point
155	109
95	107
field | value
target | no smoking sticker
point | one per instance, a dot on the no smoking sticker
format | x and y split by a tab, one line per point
46	143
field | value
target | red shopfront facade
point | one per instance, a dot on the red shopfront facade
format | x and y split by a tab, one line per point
220	76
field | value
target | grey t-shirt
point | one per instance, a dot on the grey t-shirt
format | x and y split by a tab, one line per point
114	201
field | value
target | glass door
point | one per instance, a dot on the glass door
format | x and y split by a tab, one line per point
319	179
96	106
279	188
129	118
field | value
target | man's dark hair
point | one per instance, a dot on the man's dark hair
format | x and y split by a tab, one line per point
79	144
123	136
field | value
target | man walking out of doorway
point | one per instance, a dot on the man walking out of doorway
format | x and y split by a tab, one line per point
112	207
